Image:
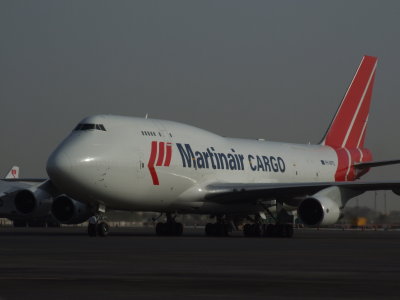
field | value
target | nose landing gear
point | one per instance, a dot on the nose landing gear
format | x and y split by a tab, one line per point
97	226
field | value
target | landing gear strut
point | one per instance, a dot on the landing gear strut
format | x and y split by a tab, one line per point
170	228
97	226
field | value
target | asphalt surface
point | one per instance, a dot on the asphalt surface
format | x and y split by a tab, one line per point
64	263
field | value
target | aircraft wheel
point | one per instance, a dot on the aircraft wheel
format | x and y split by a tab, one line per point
252	230
281	230
178	229
102	229
247	230
162	229
269	230
221	229
256	230
284	230
159	229
210	230
289	230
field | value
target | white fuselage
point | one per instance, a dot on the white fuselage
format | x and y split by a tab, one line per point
126	165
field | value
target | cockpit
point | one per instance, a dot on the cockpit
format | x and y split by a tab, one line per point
87	126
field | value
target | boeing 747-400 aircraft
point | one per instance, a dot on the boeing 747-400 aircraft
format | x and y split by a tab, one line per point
125	163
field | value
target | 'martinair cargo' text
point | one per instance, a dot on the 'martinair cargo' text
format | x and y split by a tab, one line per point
209	158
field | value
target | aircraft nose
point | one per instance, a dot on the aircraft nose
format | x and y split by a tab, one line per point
58	166
72	170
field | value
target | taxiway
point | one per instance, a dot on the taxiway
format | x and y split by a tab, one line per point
64	263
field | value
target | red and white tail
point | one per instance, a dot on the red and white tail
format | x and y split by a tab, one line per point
348	127
13	173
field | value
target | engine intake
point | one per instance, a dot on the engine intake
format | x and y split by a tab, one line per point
69	211
319	210
34	202
25	202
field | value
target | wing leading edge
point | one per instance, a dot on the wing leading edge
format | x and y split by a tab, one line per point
239	192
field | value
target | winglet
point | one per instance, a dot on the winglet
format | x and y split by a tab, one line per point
13	173
348	127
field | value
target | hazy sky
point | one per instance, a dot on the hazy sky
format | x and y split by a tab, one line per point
257	69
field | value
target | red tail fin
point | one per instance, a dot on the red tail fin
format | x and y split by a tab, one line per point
347	129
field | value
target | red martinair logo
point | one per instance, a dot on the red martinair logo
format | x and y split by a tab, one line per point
160	155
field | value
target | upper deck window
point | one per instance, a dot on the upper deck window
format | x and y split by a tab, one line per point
88	126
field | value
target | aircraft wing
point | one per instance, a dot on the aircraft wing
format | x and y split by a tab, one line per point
238	192
11	182
26	180
9	187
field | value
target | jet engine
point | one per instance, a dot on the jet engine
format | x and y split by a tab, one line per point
69	211
33	202
319	210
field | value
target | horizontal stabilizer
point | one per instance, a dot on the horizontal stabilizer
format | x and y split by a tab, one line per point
372	164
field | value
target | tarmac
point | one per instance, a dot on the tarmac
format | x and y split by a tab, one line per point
133	263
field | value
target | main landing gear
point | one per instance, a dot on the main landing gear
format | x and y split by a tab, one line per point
97	226
170	228
283	226
219	228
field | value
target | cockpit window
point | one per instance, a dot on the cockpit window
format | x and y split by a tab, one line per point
87	126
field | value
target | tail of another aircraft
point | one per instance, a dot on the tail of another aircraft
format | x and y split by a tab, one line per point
13	173
348	127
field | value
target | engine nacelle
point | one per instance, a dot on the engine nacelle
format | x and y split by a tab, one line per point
69	211
34	202
319	210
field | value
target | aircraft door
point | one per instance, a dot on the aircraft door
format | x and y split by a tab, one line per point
140	163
